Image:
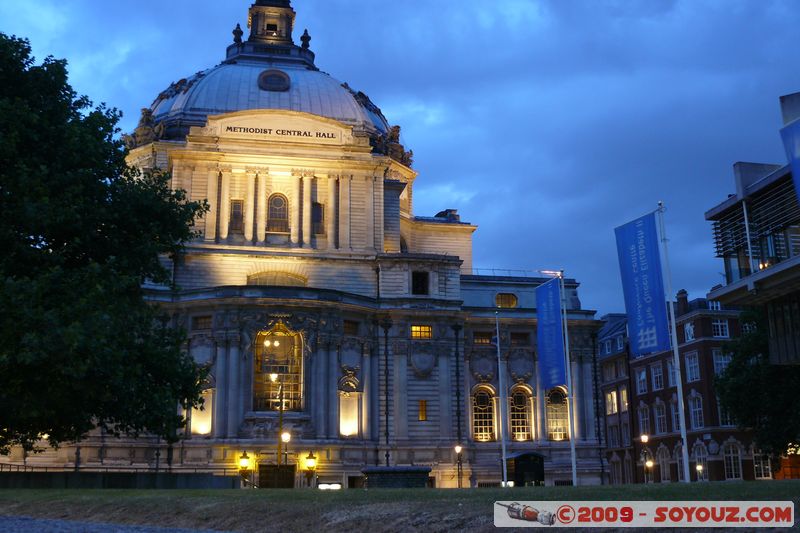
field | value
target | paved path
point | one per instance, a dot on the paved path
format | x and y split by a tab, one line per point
19	524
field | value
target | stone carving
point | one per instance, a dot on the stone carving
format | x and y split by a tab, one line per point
423	359
146	132
237	34
306	40
389	144
483	367
520	365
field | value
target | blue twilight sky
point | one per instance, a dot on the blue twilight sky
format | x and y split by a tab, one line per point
546	123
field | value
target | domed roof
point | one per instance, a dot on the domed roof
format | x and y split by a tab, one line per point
236	86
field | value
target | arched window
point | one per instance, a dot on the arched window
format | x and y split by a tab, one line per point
483	415
278	214
696	411
520	408
733	461
701	461
278	370
557	418
663	465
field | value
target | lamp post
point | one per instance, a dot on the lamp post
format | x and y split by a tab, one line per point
244	466
285	438
699	469
311	467
274	378
386	324
460	465
643	456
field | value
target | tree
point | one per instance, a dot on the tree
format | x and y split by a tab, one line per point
80	231
758	395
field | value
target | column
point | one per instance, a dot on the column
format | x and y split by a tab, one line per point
400	394
234	386
249	205
446	400
504	395
261	216
294	217
221	398
307	227
225	205
369	210
344	212
577	398
366	411
319	365
330	213
211	216
333	390
541	402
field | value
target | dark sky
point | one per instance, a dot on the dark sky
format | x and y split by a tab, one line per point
546	123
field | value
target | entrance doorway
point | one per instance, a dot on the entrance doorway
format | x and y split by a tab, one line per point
276	476
526	469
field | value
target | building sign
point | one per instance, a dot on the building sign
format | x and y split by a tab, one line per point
279	127
550	334
643	285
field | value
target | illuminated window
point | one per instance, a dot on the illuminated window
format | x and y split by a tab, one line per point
278	214
348	414
733	461
279	355
520	412
506	300
423	411
421	332
482	337
483	415
611	402
201	418
237	217
701	460
623	399
557	419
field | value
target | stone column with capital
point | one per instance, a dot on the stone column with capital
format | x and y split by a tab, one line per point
221	397
249	205
369	209
294	203
541	401
234	386
330	215
261	206
307	214
333	390
225	205
344	212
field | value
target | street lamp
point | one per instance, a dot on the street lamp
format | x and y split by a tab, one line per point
244	466
311	467
285	438
644	438
460	465
699	469
649	472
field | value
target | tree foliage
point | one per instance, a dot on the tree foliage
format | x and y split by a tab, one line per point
80	231
761	396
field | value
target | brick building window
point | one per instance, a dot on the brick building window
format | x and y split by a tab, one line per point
692	367
657	373
733	461
644	420
696	412
641	381
719	329
660	411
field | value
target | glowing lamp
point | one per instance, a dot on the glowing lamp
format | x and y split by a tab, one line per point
458	448
699	468
273	377
244	461
311	462
648	463
286	437
645	439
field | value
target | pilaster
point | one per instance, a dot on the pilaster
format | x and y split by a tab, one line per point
308	180
330	215
249	204
225	204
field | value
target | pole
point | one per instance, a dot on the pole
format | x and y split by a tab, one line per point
751	260
501	385
674	336
597	408
570	394
456	330
280	419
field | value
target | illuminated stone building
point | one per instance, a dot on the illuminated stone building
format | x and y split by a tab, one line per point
311	273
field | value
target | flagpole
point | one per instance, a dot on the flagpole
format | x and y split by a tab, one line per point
570	394
501	385
674	335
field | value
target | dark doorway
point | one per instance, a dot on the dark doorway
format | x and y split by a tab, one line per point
276	477
526	469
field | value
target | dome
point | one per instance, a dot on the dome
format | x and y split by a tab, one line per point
236	86
267	71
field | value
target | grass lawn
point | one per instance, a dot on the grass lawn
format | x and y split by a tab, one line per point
347	510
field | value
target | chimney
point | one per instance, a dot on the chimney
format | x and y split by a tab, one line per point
683	302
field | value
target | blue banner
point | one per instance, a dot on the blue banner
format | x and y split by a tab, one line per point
550	335
791	141
643	285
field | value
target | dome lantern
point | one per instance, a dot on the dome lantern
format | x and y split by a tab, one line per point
271	21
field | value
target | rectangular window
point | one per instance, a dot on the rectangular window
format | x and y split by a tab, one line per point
520	339
201	420
725	418
623	399
318	218
644	420
423	410
419	331
714	305
721	361
201	322
611	402
237	217
670	373
622	371
482	337
641	381
420	283
661	418
696	411
676	417
657	373
626	434
762	466
620	343
608	346
350	327
719	329
692	367
609	371
613	436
